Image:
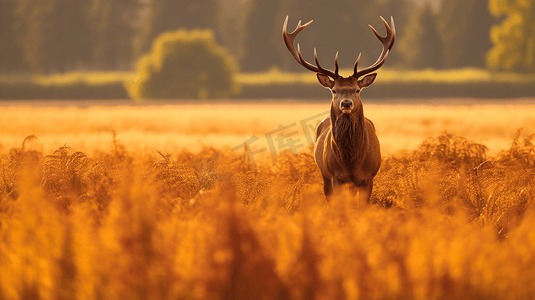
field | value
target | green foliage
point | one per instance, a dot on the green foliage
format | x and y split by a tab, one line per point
109	85
341	27
409	84
171	15
514	38
262	36
406	84
11	58
232	26
185	64
466	75
401	11
464	26
58	34
62	35
422	45
114	33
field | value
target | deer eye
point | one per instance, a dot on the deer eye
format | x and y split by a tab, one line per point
334	92
358	91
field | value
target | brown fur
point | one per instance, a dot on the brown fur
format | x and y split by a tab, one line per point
347	149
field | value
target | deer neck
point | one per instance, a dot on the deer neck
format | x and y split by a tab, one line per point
349	136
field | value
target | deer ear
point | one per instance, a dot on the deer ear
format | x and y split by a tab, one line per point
325	80
367	80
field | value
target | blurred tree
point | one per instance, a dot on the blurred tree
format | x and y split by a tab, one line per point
338	26
421	46
115	30
185	64
514	38
464	27
11	58
170	15
401	11
262	36
232	27
58	34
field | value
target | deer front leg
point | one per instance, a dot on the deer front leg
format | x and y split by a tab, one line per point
327	187
364	192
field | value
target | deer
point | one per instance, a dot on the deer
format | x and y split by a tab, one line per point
347	150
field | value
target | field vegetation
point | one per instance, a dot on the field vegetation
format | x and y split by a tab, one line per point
276	76
108	218
168	127
428	83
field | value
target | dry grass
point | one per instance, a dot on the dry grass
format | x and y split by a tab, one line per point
169	128
448	219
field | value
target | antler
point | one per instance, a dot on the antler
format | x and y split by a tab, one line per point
387	41
289	41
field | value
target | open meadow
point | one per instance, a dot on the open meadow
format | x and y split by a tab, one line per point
223	200
89	125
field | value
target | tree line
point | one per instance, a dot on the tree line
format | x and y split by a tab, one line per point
56	36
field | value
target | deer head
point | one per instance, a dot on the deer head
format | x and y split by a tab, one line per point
345	90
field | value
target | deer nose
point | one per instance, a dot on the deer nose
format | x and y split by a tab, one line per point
346	104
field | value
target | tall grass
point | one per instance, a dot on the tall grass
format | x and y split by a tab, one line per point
447	221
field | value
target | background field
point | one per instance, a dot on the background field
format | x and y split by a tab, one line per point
91	210
165	126
275	84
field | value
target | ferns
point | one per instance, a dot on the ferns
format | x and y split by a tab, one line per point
20	162
447	220
69	176
441	171
492	191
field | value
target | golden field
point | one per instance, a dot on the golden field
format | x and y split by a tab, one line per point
163	202
167	127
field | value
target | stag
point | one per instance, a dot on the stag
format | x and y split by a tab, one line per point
347	149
